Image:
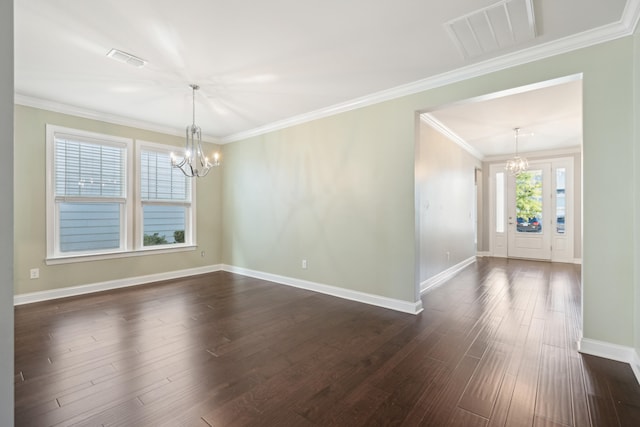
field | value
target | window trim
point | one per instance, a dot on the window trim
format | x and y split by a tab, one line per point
132	226
52	213
190	218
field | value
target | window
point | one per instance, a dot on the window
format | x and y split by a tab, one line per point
560	200
93	206
500	202
165	198
87	197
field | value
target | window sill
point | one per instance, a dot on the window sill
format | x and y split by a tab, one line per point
114	255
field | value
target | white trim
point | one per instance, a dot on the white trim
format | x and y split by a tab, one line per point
57	107
52	207
362	297
190	231
483	254
153	250
577	261
32	297
445	275
625	27
449	134
576	149
611	351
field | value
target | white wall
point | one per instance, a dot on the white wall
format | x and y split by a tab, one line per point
445	180
6	213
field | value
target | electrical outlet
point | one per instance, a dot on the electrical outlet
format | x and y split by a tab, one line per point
202	254
34	273
304	264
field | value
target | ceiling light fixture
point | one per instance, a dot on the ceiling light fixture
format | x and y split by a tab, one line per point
194	163
517	164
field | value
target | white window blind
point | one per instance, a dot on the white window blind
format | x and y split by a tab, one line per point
85	169
159	180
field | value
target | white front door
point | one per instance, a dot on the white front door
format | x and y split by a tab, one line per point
529	213
532	217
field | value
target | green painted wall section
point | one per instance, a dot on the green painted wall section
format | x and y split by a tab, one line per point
30	223
340	191
337	192
445	190
636	114
6	214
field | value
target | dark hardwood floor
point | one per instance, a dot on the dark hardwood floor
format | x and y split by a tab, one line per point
495	346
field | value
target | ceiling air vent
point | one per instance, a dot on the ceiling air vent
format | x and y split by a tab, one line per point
500	25
127	58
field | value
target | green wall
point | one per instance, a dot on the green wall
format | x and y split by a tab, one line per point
339	191
6	213
445	191
30	218
636	113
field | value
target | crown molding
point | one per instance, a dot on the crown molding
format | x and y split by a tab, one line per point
57	107
622	28
568	151
449	134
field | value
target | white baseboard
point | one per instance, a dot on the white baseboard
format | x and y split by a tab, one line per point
615	352
371	299
393	304
483	254
445	275
112	284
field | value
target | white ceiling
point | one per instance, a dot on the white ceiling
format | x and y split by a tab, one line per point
260	63
549	118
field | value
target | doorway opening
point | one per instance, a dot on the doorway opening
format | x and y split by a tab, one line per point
458	220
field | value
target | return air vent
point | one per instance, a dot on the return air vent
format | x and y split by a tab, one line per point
127	58
506	23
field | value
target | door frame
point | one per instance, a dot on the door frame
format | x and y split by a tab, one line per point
562	245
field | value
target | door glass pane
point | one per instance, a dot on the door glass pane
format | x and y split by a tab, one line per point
500	202
560	199
529	201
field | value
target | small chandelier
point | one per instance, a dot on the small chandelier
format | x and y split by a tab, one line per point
517	164
194	163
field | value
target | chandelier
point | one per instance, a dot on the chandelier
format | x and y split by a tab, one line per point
517	164
194	163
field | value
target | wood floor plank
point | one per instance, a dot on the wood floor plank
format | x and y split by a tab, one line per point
521	410
462	418
496	345
554	400
578	392
480	394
